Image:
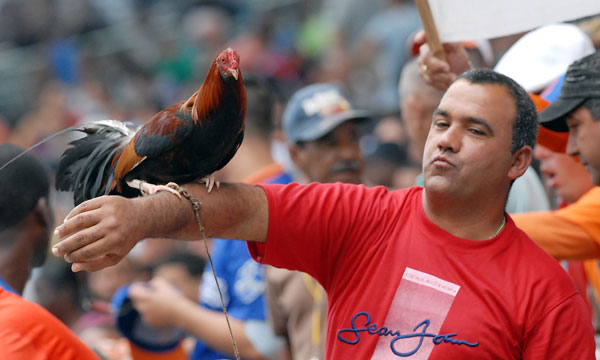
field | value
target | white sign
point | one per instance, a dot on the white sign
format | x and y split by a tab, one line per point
459	20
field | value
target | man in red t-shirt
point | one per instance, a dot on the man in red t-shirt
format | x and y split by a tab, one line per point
27	331
439	272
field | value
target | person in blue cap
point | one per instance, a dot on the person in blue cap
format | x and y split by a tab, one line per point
322	129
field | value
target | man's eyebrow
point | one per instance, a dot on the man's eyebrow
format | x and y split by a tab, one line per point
479	121
441	112
572	116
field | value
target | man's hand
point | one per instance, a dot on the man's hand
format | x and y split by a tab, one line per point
100	232
159	302
436	72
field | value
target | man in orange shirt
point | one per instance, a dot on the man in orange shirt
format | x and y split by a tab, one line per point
574	232
27	331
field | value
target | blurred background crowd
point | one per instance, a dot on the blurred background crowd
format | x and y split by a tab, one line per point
66	62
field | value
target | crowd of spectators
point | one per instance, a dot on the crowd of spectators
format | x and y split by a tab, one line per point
66	62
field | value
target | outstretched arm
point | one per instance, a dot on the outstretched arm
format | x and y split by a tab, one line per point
559	235
100	232
438	73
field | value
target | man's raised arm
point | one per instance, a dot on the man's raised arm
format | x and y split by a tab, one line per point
100	232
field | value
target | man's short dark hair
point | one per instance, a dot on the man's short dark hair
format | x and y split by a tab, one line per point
526	121
22	184
593	106
262	96
194	264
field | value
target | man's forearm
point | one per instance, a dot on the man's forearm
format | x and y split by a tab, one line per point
101	231
233	211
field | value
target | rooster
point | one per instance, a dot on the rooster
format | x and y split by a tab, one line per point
182	143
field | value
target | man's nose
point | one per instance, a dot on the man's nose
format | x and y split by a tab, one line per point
348	150
451	139
541	152
572	148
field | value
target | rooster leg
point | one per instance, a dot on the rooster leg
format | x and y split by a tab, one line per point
150	189
210	182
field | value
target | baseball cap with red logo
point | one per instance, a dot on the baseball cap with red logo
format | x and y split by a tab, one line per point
315	110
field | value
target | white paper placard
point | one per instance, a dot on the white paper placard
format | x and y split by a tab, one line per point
459	20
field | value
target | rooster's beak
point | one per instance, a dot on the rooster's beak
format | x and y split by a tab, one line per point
234	73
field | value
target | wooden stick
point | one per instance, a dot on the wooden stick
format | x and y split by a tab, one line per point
433	39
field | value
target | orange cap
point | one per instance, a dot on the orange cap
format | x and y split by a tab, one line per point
553	140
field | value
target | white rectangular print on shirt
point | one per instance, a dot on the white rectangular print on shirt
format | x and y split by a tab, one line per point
420	306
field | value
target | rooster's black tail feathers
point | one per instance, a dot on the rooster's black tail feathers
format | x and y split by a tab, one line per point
86	168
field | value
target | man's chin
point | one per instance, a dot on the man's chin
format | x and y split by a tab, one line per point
437	184
347	177
38	260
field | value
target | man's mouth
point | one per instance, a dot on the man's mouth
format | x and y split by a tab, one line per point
551	182
346	166
441	160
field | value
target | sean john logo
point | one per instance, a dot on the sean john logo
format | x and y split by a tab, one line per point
352	335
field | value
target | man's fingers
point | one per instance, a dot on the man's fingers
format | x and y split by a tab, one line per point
85	206
164	286
76	223
417	40
139	290
434	71
75	234
426	59
420	37
90	246
96	264
160	283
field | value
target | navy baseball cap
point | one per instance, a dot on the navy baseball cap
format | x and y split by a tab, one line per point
130	323
582	82
315	110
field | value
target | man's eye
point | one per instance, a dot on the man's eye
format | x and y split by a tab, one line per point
476	131
440	124
326	142
331	143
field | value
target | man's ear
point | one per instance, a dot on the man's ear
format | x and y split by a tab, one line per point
413	104
296	155
44	213
521	161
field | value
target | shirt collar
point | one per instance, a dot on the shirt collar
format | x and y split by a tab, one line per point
7	287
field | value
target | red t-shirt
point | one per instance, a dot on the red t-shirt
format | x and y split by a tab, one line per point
400	286
29	332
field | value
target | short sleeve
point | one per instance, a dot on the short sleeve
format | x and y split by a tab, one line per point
16	346
314	228
565	332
